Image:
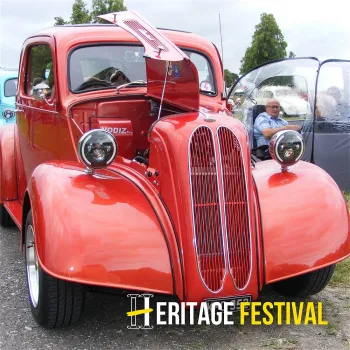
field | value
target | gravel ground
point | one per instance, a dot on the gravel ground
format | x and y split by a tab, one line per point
104	324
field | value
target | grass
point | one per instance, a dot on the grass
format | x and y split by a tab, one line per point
332	329
347	197
293	117
341	275
281	344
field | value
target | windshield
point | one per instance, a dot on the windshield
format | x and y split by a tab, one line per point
291	82
109	66
10	87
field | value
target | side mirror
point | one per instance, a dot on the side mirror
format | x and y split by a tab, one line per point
40	91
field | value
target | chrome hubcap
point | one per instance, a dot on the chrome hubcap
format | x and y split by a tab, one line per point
32	266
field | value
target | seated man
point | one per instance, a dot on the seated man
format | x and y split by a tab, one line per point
268	123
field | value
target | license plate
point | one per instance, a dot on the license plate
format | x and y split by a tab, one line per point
236	301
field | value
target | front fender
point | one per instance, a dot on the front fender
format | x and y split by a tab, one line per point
98	230
305	220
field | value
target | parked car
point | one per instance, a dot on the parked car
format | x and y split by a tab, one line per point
8	86
117	178
292	103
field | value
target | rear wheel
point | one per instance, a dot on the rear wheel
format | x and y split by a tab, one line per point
305	285
53	302
5	218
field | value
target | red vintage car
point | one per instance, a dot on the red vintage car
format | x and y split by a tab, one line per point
125	171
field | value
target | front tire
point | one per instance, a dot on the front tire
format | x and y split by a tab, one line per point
305	285
53	302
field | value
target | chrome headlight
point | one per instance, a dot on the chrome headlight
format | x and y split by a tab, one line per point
97	148
286	147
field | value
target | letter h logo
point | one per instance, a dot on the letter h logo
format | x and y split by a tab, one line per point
145	311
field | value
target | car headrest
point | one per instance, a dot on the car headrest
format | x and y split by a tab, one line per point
257	109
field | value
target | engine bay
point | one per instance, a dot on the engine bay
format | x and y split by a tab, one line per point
129	120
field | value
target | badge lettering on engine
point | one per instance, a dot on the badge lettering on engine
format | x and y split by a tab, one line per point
124	131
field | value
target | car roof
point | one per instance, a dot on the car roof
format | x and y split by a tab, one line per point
92	32
6	72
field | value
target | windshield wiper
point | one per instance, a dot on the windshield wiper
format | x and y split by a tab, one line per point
132	83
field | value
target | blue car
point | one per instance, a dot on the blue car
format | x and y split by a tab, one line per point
8	87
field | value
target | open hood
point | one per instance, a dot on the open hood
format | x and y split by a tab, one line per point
165	62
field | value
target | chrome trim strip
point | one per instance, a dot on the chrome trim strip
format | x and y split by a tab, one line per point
36	109
249	216
193	221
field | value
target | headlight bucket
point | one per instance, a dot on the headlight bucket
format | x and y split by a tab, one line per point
286	148
97	148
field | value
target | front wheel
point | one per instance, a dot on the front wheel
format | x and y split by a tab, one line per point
305	285
53	302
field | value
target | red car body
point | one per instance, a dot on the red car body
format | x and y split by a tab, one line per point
199	221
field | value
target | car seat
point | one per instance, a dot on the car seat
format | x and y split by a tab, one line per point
257	109
261	152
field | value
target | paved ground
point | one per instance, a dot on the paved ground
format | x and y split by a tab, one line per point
104	324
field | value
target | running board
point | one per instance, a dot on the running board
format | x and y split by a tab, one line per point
14	208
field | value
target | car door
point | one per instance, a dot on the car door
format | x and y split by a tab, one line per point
37	119
331	147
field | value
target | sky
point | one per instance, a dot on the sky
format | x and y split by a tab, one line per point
310	27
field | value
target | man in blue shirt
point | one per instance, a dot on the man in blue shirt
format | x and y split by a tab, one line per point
268	123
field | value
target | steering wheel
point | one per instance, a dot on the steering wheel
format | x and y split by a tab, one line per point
92	82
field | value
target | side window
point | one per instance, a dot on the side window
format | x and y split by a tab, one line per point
206	76
40	70
10	87
333	92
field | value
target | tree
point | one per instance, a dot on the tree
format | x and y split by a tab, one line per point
80	14
101	7
267	44
291	54
41	58
230	77
59	21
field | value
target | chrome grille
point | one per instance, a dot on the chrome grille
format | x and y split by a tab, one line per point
236	207
206	208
